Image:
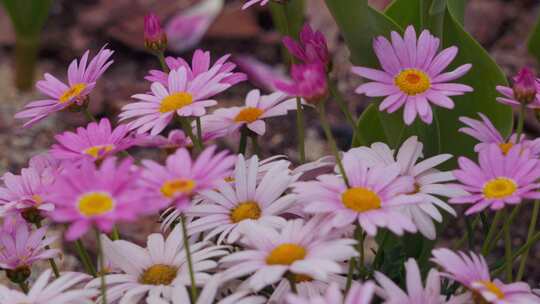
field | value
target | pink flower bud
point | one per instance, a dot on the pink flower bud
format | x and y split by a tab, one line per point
155	38
312	47
309	82
525	86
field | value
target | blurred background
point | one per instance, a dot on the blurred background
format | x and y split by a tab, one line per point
72	27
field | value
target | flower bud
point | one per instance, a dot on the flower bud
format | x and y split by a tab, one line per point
155	38
525	86
312	47
309	82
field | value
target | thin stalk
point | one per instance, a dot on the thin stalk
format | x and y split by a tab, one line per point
332	142
185	238
161	58
521	119
243	141
342	104
487	242
290	278
519	252
300	130
350	273
88	115
115	235
101	259
530	233
255	143
51	260
187	128
85	259
464	238
360	236
470	233
23	286
199	131
508	251
510	220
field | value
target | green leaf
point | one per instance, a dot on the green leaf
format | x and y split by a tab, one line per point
27	16
534	40
288	17
457	9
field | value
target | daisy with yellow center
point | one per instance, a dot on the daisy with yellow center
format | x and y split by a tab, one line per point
161	267
252	115
73	92
293	249
500	178
412	75
251	195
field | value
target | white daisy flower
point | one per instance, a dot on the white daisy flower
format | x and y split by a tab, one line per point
59	291
157	270
294	250
429	182
246	197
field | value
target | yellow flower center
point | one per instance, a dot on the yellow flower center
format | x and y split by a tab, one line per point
505	147
158	274
97	151
490	286
74	91
229	179
38	199
173	187
175	102
412	81
499	187
360	199
286	254
246	210
248	115
95	203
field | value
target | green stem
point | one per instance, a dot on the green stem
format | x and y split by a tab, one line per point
469	233
199	131
23	286
521	119
342	104
189	261
519	252
115	235
85	259
487	242
161	58
255	143
51	260
87	114
464	238
290	278
508	251
243	141
530	233
300	130
510	220
360	236
101	259
186	126
350	273
332	142
26	54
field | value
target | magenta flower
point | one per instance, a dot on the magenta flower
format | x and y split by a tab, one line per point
253	2
485	132
413	75
86	196
94	142
309	82
22	247
473	273
221	70
155	38
82	79
312	47
176	139
181	177
499	179
526	90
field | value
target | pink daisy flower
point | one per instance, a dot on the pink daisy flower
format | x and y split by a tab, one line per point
24	192
251	115
357	294
472	272
182	97
416	292
499	179
82	78
413	75
247	197
200	65
295	248
526	89
485	132
96	141
174	140
253	2
21	247
181	177
60	291
312	47
86	196
372	200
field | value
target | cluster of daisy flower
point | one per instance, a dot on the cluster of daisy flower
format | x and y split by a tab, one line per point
236	228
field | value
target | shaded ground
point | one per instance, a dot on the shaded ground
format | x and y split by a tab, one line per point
74	26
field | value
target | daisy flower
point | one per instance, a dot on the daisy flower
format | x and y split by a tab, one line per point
253	2
181	177
82	78
499	179
181	96
200	64
21	246
25	193
357	294
251	115
412	75
46	165
416	292
473	273
295	249
429	183
159	270
486	133
96	141
224	208
59	291
87	195
372	199
526	89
